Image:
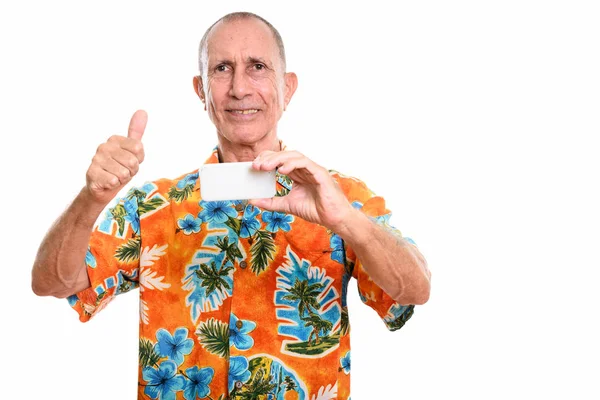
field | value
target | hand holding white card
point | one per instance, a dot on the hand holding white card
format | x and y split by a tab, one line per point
235	181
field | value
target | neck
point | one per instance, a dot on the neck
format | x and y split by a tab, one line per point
239	152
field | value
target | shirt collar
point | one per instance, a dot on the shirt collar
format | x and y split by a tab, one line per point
214	156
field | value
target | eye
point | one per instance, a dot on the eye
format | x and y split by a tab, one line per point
259	66
221	68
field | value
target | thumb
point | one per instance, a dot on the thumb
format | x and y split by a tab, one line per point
137	125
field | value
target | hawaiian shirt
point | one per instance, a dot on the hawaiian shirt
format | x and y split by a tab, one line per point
236	302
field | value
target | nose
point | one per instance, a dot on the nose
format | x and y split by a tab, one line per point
240	87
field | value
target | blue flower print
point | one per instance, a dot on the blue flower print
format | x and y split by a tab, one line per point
238	332
189	179
72	299
197	385
276	221
189	224
238	370
164	382
383	219
130	206
345	363
357	204
250	223
216	211
176	346
90	260
132	217
337	245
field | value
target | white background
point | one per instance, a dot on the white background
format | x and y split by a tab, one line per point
476	120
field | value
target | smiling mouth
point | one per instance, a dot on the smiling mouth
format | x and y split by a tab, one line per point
244	112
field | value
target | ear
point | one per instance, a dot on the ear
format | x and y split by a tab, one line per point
199	89
291	83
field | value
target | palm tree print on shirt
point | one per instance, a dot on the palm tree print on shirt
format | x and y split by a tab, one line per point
266	377
308	308
209	279
138	203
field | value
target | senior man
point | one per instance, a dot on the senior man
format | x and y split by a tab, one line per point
238	299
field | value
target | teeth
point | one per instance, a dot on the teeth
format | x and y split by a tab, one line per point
244	112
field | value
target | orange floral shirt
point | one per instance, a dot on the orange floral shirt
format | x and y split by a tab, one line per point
236	302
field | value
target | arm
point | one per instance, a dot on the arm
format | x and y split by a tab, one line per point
59	269
393	263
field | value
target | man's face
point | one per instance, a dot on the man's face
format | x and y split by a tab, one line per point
245	90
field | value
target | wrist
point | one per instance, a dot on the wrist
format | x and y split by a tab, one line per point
352	227
89	208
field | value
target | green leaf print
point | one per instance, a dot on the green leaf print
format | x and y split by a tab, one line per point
345	322
401	320
259	387
180	195
289	383
234	224
137	193
147	354
263	251
214	336
306	296
213	279
318	325
118	212
149	205
129	251
232	251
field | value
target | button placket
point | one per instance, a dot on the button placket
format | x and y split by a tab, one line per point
242	264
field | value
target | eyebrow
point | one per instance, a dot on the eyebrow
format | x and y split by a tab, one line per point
254	60
249	60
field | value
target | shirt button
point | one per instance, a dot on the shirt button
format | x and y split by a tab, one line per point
243	264
239	207
238	384
239	325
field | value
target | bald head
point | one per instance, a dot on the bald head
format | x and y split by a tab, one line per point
236	16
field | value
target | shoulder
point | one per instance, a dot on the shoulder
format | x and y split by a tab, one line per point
359	195
164	191
351	186
181	182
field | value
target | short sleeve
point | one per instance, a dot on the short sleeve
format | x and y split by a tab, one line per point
112	259
393	314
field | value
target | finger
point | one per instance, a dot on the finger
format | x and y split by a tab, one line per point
269	155
101	180
305	171
273	204
137	125
134	147
119	171
116	143
126	159
280	155
268	162
293	164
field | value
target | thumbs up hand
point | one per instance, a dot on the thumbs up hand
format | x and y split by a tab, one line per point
117	161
